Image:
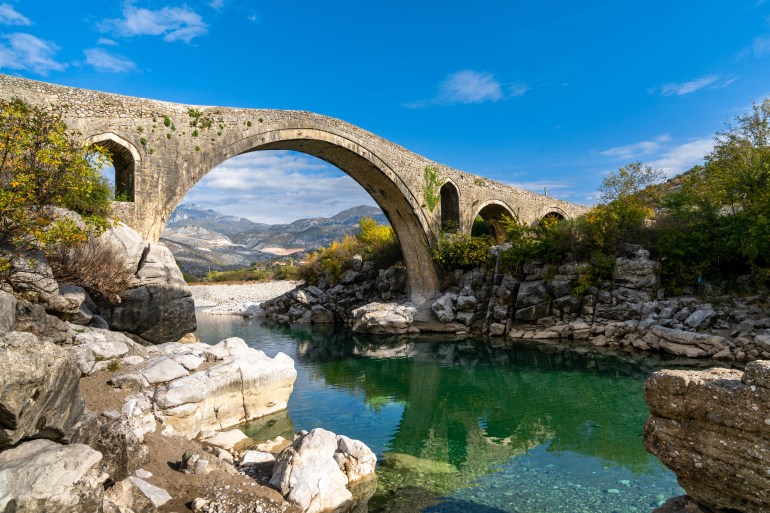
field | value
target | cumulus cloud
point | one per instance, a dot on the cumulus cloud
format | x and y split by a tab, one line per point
637	149
173	23
102	60
680	158
21	51
106	42
10	16
277	187
469	87
682	88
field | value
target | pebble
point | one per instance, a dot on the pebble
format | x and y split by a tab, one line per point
236	299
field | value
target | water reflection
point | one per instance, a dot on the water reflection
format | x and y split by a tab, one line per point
448	417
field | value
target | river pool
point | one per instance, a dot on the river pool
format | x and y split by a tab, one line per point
461	427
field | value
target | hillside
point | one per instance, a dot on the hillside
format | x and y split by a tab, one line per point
203	240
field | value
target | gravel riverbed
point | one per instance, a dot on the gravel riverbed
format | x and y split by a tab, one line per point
240	299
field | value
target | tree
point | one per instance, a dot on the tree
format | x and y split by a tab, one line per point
42	167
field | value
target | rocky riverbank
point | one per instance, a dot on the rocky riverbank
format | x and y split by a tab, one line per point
550	304
238	299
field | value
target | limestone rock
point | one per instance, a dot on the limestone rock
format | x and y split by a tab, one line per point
383	318
687	343
125	497
444	308
636	273
42	475
33	318
227	440
699	319
39	389
531	293
247	384
159	306
7	312
72	304
315	470
95	348
111	434
711	428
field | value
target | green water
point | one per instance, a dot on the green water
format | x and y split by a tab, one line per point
459	426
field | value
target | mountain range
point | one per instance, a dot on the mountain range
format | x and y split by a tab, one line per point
204	240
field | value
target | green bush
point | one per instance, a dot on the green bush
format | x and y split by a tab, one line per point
373	242
44	166
458	251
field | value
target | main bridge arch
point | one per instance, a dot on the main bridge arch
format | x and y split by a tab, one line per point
388	189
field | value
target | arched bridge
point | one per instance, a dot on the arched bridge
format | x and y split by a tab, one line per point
161	149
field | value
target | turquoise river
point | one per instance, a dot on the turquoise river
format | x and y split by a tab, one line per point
458	426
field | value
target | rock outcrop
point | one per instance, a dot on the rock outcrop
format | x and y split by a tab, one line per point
238	384
42	475
712	429
316	470
331	302
39	389
158	307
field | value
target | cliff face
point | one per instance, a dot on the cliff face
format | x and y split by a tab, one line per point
712	428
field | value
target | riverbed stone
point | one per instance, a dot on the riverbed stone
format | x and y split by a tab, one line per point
41	475
383	318
316	469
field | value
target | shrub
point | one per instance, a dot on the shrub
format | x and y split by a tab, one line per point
95	265
457	251
42	167
373	242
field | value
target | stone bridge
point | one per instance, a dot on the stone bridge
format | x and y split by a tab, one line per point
161	149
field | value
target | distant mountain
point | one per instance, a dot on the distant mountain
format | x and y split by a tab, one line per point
203	239
190	214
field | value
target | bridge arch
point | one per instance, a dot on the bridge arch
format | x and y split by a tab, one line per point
552	212
493	212
450	206
125	158
384	185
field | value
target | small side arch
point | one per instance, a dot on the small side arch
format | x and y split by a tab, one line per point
450	207
124	157
552	213
493	212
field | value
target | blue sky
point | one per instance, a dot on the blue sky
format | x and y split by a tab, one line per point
550	94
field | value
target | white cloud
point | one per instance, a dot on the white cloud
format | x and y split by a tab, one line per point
102	60
637	149
217	4
682	88
277	187
681	158
173	23
27	52
10	16
470	87
106	42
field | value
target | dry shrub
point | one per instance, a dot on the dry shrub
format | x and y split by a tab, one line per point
95	265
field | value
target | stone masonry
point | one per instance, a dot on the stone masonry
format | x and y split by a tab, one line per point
161	149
